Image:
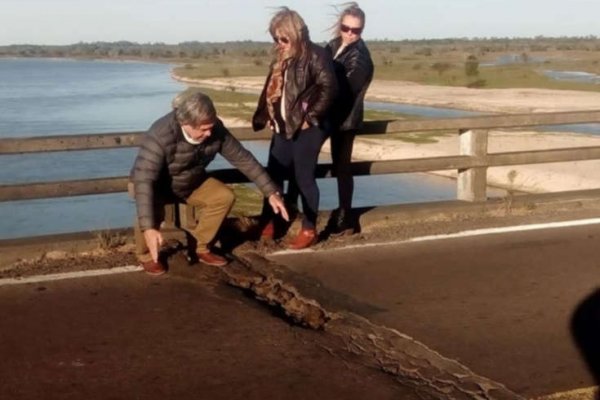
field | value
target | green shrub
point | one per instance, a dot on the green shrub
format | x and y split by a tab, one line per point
472	66
441	67
479	83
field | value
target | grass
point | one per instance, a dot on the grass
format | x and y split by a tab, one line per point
232	104
229	97
248	201
377	115
109	240
498	77
243	111
425	70
441	63
414	65
224	67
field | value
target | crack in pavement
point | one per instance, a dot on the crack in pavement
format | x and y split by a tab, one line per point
410	362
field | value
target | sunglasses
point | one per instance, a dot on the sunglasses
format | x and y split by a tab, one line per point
282	39
346	29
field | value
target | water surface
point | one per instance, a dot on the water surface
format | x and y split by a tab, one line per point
41	97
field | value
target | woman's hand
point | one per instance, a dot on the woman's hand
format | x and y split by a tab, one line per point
278	205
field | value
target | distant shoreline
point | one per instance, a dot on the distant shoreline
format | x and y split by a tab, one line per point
534	178
516	100
140	60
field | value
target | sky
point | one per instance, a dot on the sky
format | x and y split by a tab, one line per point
58	22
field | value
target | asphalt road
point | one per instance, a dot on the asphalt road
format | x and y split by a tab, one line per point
131	336
501	304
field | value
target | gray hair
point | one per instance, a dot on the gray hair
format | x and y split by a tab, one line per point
193	107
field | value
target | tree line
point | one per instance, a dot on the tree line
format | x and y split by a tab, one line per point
125	49
206	50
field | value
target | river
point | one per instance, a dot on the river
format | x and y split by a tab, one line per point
40	97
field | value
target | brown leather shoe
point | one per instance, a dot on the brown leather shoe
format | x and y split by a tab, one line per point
213	259
305	238
153	268
268	232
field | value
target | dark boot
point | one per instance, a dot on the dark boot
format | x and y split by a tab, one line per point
342	222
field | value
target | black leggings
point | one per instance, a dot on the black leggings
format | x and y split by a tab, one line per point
297	158
341	155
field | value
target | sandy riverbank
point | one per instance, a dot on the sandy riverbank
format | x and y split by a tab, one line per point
536	178
529	178
486	100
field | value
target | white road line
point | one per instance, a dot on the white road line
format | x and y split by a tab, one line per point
587	393
69	275
468	233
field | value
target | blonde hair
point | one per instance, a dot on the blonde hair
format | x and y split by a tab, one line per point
350	8
290	23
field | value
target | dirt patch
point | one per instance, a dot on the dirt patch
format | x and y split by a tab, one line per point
59	262
240	236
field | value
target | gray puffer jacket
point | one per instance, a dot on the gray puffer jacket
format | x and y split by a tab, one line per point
167	166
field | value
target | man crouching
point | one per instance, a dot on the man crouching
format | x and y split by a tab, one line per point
171	165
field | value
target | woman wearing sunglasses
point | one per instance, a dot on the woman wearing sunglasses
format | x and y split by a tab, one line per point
297	95
354	72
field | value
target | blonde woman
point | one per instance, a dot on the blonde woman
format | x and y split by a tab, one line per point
296	98
354	72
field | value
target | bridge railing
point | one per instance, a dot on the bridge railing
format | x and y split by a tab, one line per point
471	162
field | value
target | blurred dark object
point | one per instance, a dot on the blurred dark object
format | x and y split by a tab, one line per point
585	327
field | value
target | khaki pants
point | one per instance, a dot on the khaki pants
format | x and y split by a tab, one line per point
212	200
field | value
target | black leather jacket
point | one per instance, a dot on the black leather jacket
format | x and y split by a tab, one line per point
354	72
310	87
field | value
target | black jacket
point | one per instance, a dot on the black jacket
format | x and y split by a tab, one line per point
310	87
354	72
168	166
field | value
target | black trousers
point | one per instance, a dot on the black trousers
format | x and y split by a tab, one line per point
341	155
296	160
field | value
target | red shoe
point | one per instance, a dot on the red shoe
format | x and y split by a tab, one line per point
213	259
305	238
268	232
153	268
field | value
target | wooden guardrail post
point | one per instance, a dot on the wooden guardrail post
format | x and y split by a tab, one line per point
472	182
